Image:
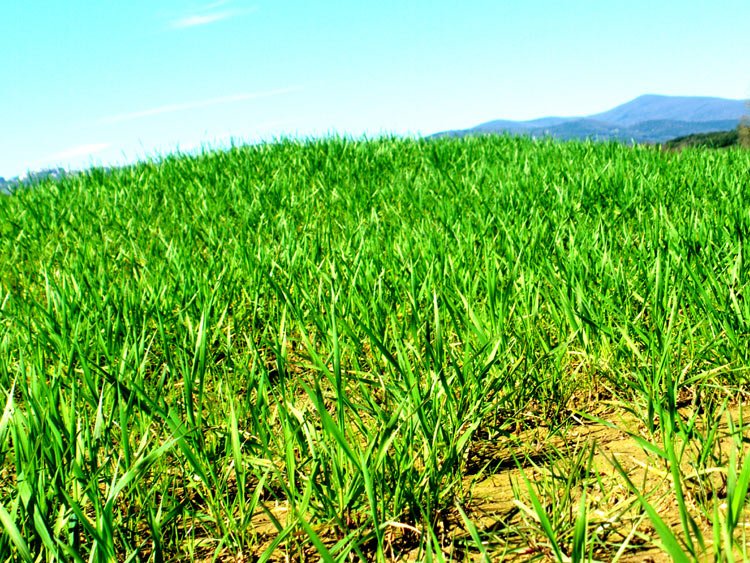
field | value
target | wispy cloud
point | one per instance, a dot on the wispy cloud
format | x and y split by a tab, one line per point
194	21
199	104
78	151
210	13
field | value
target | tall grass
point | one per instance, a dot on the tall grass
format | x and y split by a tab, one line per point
292	350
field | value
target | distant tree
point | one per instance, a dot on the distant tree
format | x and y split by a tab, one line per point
744	128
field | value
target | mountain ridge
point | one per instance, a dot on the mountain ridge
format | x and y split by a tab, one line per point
650	118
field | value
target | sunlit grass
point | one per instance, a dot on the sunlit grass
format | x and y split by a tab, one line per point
313	349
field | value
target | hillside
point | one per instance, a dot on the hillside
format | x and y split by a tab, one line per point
377	351
713	140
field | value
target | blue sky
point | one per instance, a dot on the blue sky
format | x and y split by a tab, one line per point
109	82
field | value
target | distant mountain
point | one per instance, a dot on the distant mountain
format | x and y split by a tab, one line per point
32	179
647	119
5	186
673	108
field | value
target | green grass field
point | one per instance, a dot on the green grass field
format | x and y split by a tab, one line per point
477	349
